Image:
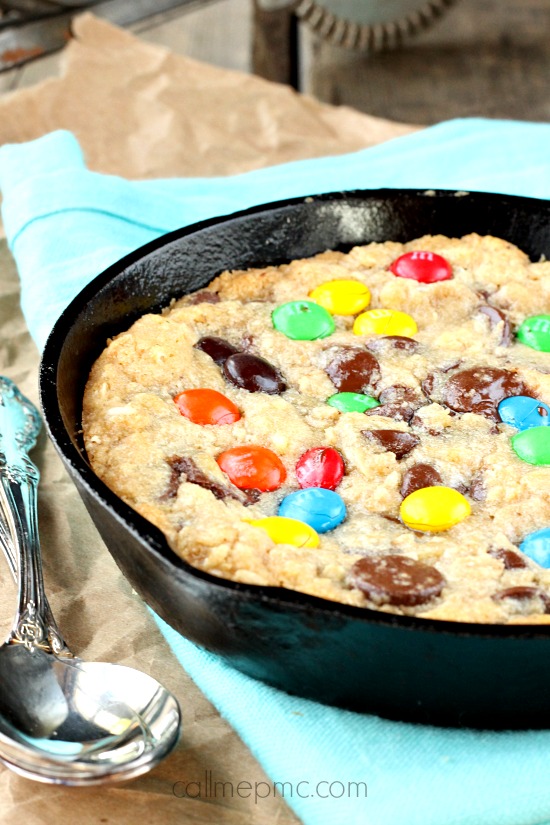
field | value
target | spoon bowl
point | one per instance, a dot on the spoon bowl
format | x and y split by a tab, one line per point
80	723
62	720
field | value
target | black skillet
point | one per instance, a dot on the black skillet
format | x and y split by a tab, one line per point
396	666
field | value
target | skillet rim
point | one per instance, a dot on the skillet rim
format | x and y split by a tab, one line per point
150	536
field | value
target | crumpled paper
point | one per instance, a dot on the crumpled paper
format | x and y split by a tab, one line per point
141	111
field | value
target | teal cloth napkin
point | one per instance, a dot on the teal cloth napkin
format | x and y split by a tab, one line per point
65	225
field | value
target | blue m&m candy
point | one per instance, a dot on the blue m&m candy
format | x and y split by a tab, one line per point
537	546
320	508
523	412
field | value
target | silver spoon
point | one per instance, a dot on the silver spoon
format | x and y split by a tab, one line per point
62	720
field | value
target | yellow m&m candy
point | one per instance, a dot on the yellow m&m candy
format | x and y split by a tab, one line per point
385	322
433	509
343	297
284	530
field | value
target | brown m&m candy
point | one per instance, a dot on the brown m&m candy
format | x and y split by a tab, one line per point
396	580
252	373
218	349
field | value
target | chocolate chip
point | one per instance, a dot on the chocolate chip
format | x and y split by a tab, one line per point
480	390
396	580
385	343
184	468
395	441
252	373
510	559
477	490
419	476
218	349
428	385
354	370
394	520
522	593
204	297
397	402
496	316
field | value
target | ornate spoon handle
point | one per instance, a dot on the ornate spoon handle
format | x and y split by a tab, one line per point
33	625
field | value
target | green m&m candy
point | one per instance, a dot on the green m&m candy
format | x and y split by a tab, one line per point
352	402
535	332
303	320
533	445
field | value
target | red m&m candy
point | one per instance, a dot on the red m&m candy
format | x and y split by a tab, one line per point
207	407
253	468
320	467
424	267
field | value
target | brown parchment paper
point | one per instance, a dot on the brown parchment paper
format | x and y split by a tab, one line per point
140	111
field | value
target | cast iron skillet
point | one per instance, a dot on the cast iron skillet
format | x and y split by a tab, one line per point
397	666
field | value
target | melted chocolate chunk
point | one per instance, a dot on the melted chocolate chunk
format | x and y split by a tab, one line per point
434	379
396	580
477	490
428	385
419	476
495	316
481	389
204	297
252	373
510	559
218	349
354	370
399	403
393	519
522	593
384	343
395	441
184	468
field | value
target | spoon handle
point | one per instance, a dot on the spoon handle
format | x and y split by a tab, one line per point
33	624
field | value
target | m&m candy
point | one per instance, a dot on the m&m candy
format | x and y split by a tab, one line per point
252	373
320	467
424	267
303	320
524	412
533	445
283	530
537	546
206	406
344	297
352	402
385	322
253	468
433	509
320	508
535	332
217	348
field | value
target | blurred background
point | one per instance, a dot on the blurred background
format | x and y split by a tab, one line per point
448	58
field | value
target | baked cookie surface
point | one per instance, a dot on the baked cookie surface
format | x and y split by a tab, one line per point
432	421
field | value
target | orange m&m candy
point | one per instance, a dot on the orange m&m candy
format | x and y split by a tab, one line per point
207	407
253	468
